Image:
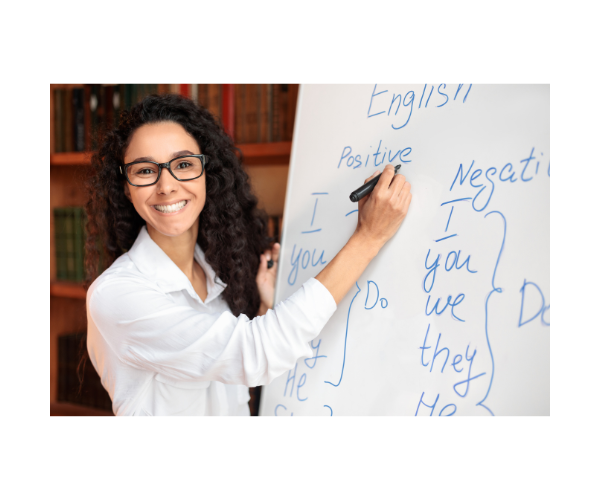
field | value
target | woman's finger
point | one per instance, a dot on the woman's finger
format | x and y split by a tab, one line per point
276	251
364	199
262	267
383	185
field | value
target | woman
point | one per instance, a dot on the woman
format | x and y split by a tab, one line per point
181	323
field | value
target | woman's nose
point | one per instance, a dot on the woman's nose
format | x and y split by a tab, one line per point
167	183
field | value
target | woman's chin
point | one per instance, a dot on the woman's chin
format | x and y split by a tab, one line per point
170	229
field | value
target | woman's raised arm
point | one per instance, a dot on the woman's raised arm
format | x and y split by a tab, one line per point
379	217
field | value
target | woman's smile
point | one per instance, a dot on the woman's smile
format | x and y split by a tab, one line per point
171	208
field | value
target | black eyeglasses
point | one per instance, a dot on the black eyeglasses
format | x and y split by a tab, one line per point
147	173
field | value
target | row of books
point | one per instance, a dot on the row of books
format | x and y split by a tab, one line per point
69	243
274	225
264	112
90	391
70	236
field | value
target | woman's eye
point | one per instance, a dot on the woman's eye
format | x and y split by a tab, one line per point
145	171
184	164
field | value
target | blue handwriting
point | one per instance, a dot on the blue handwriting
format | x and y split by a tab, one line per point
378	103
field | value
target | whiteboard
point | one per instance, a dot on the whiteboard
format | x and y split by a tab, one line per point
453	315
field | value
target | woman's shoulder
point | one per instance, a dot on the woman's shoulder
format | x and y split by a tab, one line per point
121	275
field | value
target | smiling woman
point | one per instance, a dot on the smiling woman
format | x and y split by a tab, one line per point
182	322
233	231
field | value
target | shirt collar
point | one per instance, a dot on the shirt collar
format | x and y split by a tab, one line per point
156	265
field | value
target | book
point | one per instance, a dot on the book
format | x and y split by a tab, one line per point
78	119
265	113
281	111
69	240
116	104
89	392
68	120
108	104
240	116
94	116
290	112
87	117
251	112
214	99
203	95
58	111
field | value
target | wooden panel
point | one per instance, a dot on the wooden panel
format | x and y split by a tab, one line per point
74	159
66	316
67	290
73	410
269	184
267	153
51	119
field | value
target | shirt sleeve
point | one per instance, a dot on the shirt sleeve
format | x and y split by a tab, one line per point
146	330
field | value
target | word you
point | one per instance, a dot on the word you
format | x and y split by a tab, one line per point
304	259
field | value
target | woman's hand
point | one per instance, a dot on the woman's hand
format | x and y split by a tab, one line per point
265	278
380	214
382	211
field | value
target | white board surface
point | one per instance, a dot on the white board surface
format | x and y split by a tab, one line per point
453	316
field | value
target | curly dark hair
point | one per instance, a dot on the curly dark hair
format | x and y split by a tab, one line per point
232	231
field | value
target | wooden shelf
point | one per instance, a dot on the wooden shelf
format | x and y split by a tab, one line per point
70	159
67	289
264	153
73	410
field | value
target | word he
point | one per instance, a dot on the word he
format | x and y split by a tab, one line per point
302	381
507	174
381	103
303	260
451	406
356	161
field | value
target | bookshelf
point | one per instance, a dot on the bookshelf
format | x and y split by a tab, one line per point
268	153
265	162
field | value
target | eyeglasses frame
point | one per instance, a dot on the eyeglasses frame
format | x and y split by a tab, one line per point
167	165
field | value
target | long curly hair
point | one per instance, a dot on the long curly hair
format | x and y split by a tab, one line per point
232	231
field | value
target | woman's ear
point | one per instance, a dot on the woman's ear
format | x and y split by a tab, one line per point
126	191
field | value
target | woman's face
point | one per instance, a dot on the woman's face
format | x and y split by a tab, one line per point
161	142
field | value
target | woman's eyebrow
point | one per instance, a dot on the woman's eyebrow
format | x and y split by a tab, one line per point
183	153
174	155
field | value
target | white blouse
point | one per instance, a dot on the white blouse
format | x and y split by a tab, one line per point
160	350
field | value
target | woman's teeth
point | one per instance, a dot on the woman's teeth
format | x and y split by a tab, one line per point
167	209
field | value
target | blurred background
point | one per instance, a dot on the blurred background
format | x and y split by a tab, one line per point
259	117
